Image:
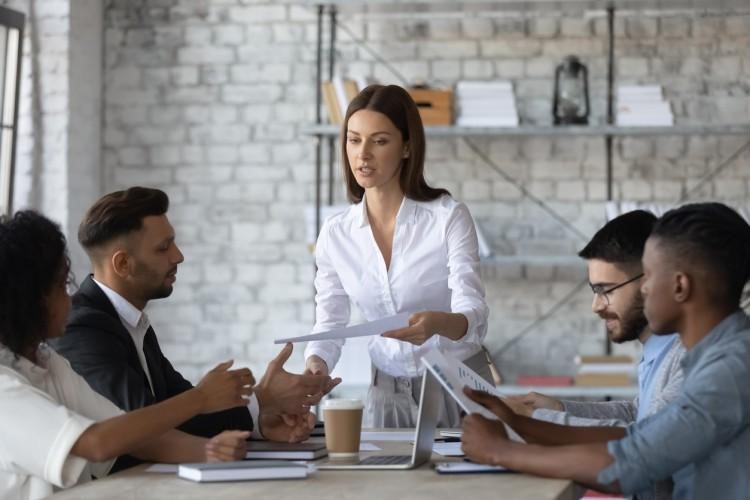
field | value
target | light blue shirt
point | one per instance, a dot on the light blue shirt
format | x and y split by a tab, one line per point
655	349
702	438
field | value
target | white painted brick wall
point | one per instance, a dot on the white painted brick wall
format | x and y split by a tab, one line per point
205	99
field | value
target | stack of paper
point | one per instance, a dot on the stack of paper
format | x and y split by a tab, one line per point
642	105
486	104
605	370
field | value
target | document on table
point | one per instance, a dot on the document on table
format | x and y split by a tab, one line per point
452	449
453	375
362	330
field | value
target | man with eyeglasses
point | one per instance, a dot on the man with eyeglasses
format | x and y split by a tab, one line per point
696	264
615	274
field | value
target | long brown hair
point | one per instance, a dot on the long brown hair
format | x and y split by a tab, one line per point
395	103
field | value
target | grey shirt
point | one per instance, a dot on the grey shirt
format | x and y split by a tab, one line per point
666	385
702	438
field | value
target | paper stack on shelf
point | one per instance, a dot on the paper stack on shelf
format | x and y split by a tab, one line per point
643	106
605	370
486	104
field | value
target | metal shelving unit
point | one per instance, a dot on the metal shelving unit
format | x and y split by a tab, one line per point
740	129
326	134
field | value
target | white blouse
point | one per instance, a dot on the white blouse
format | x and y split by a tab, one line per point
434	267
45	409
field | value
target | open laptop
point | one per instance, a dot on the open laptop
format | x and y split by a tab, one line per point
429	406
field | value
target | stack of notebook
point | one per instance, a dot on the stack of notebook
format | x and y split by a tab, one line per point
243	470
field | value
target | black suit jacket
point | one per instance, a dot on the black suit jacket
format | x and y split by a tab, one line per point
102	351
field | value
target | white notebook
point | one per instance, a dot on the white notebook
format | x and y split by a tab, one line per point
242	470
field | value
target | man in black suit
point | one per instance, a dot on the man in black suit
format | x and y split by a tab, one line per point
109	341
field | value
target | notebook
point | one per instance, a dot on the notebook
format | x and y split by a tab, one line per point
242	471
429	406
285	451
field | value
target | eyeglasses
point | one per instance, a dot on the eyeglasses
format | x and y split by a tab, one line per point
601	293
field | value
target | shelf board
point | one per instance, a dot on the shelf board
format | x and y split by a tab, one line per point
533	260
560	131
538	5
570	391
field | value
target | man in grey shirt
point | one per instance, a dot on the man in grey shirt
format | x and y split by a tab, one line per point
696	263
615	274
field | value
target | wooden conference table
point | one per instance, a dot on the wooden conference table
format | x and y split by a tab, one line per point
421	483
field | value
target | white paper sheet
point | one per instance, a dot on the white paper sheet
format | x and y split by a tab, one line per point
453	375
452	449
362	330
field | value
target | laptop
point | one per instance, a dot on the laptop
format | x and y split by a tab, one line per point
429	406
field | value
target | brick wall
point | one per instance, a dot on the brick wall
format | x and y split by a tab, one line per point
206	99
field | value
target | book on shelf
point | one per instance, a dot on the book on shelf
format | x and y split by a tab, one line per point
603	379
271	450
337	94
331	102
242	470
605	370
545	380
583	358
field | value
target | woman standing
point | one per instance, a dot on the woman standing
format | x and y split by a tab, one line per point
403	246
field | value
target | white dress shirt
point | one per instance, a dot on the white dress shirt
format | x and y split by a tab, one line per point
434	267
136	323
45	408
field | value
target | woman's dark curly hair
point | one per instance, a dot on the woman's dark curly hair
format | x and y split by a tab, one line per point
33	258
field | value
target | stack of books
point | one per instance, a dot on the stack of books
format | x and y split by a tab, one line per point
486	104
600	371
643	106
243	471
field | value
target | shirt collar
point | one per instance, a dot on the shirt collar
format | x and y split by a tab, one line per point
406	213
735	322
127	311
656	344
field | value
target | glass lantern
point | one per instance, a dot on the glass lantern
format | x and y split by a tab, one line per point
570	104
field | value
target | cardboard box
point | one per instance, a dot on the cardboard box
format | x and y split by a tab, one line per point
435	106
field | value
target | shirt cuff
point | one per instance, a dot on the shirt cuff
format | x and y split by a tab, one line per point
254	408
318	349
62	468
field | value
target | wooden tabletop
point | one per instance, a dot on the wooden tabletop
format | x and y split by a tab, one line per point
421	483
